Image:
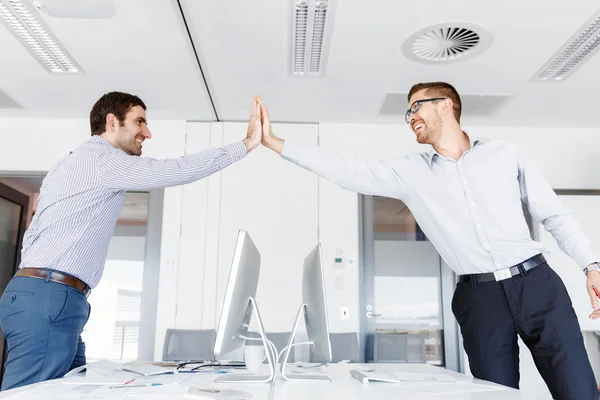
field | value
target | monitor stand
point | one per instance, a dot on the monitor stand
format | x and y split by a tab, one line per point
299	377
254	378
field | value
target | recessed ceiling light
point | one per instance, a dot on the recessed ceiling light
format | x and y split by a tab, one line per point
578	49
311	30
23	21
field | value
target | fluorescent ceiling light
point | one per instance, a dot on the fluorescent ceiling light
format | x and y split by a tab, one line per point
310	36
582	45
24	22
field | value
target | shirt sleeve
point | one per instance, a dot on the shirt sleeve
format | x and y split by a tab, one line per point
545	206
120	171
371	177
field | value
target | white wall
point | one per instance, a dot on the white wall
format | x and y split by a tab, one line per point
278	203
274	201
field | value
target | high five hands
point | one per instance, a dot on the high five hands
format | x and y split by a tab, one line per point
259	128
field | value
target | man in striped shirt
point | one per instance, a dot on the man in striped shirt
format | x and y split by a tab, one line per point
44	308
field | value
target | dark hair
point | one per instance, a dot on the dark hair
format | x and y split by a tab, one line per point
117	103
439	89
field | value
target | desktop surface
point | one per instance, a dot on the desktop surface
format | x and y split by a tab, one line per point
343	385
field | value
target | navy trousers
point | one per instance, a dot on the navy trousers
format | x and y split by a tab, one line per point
537	307
42	321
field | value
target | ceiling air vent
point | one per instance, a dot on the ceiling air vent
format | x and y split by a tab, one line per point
311	30
446	43
578	49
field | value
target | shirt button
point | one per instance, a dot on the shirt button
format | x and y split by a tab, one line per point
466	182
472	203
478	226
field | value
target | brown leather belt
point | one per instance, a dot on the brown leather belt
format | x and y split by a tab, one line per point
55	276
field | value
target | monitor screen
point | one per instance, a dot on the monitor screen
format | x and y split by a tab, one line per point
241	286
313	296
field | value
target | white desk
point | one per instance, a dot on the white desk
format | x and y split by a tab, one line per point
342	386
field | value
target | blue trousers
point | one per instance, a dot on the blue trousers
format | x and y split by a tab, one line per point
42	321
537	307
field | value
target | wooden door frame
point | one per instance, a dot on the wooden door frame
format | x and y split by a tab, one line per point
14	196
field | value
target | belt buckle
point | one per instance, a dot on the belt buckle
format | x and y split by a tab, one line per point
502	274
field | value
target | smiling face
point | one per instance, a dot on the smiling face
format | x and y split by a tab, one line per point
433	107
424	117
132	131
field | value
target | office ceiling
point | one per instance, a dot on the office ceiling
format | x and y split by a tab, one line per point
244	46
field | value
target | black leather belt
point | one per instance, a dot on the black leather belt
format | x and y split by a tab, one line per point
506	273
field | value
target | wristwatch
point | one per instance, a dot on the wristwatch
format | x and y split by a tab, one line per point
595	266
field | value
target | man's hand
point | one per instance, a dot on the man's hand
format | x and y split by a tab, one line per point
269	139
593	281
254	135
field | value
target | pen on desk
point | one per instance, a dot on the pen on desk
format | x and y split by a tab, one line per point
132	386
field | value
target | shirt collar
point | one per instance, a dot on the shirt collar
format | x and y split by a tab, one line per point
97	139
433	152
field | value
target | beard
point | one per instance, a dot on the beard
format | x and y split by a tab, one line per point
430	132
128	141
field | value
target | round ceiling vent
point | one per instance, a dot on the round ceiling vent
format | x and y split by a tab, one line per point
446	43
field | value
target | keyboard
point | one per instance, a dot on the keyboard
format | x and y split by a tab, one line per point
368	376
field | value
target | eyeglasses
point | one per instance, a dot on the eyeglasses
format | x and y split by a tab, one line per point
414	107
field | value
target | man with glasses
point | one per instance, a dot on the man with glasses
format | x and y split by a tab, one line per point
466	194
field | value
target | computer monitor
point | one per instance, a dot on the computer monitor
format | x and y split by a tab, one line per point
314	310
238	306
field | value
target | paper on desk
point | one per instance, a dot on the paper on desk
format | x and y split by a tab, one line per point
148	369
418	377
162	392
64	392
88	392
103	367
309	371
459	387
91	377
101	372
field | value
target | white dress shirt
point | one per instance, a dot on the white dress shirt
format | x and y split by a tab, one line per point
470	208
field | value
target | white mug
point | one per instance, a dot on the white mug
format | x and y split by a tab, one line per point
254	356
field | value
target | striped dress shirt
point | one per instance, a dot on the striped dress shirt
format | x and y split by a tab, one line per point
470	208
82	196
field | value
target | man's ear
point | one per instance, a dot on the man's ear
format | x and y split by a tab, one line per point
112	123
447	106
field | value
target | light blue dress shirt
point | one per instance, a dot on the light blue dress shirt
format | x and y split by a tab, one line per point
470	208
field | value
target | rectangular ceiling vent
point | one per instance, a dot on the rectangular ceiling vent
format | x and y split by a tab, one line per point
24	22
311	30
578	49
